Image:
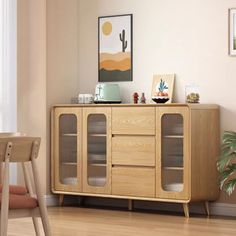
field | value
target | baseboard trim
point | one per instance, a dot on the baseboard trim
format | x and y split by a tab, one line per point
52	200
216	209
223	209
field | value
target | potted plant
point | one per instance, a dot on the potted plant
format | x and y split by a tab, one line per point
227	162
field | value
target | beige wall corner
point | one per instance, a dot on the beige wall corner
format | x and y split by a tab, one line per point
62	58
31	88
47	67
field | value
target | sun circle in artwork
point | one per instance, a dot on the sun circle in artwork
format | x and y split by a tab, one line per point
107	28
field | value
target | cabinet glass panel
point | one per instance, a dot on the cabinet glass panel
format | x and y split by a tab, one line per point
97	155
68	149
172	152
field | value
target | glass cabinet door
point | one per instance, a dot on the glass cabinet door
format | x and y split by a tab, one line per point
96	150
173	156
67	148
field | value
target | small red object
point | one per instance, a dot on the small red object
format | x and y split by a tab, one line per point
135	97
143	99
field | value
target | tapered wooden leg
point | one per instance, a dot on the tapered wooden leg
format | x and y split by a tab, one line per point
186	209
207	208
45	221
40	197
4	222
5	194
130	204
36	226
61	199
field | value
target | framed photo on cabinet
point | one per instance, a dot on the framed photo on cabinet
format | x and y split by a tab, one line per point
162	88
232	32
115	49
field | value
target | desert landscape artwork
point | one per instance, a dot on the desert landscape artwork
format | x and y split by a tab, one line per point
115	48
232	33
234	30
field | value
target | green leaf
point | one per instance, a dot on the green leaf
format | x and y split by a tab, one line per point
224	176
230	186
224	161
226	173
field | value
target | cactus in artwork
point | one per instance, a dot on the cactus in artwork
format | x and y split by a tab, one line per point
124	42
162	86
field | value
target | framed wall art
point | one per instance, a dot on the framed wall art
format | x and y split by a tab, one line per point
115	59
162	87
232	32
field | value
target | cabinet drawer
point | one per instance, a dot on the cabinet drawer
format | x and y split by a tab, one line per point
134	150
133	120
133	181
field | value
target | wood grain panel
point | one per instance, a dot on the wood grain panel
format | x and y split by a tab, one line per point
205	149
134	150
133	181
135	120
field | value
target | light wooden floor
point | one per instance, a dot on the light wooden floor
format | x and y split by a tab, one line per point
95	222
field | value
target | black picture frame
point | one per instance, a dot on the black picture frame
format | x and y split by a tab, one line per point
232	32
117	75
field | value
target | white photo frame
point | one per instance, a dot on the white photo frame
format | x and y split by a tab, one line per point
232	32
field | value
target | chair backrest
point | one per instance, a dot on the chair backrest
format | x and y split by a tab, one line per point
19	148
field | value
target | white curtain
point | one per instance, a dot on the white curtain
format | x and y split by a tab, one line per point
8	41
8	13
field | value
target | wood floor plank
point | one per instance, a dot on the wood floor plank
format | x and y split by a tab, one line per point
94	222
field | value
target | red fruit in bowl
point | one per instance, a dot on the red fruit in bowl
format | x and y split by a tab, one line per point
166	94
161	94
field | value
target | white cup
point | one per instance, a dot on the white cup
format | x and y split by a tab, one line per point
81	98
88	98
85	98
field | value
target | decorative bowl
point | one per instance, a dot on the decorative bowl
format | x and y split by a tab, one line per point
160	99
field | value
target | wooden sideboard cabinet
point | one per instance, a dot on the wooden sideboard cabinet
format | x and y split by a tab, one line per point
164	152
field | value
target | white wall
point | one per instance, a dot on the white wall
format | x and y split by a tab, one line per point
186	37
8	39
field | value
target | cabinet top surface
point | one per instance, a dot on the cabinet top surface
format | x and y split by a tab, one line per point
191	106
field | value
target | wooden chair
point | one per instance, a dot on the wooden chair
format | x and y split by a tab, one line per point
22	149
13	189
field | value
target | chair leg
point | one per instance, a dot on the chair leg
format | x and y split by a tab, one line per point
36	226
41	200
4	224
45	221
4	218
5	193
